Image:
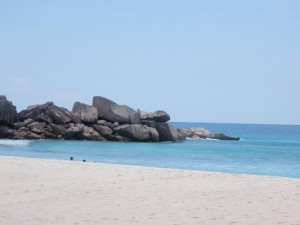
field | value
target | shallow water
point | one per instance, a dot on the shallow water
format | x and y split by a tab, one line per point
263	149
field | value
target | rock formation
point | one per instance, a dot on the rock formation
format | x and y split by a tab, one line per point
138	132
104	120
5	132
86	113
111	111
222	136
8	112
168	133
195	133
157	116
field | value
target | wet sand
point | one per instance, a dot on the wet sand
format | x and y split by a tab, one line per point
41	191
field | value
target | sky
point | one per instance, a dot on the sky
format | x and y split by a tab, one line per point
232	61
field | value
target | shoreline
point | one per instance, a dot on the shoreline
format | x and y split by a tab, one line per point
45	191
132	166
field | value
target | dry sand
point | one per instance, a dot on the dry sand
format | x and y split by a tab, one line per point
40	191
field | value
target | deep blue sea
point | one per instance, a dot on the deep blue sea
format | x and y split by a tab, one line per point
263	150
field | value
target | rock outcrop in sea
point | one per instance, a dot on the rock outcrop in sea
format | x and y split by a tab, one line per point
104	120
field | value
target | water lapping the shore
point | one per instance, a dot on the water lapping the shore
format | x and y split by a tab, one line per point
264	150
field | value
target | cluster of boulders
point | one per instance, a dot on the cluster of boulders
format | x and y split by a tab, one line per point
202	133
195	133
103	120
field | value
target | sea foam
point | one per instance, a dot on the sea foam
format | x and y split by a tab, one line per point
14	142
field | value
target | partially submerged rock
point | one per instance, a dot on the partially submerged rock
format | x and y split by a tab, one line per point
195	133
221	136
25	134
168	133
138	132
74	132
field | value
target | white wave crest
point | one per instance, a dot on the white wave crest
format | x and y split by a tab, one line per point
201	139
14	142
212	139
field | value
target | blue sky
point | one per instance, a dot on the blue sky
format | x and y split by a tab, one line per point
204	61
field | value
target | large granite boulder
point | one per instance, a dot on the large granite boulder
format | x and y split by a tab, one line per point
86	113
58	130
221	136
137	132
44	118
111	111
74	132
5	132
154	135
149	123
37	127
48	113
8	112
32	112
60	115
157	116
168	133
90	134
82	132
103	130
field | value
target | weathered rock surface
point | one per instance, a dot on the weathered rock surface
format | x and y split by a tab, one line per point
154	135
74	132
37	125
103	130
111	111
44	118
157	116
5	132
8	112
138	132
58	130
60	115
90	134
48	113
116	137
82	132
222	136
29	114
25	134
168	133
86	113
149	123
195	133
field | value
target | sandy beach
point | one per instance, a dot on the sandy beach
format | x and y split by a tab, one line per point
40	191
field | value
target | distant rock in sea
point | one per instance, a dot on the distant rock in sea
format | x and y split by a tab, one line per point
105	120
222	136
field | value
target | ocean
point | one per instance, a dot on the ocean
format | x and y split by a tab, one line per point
272	150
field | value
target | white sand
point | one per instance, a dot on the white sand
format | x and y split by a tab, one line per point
39	191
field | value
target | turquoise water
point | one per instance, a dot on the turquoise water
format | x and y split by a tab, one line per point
263	150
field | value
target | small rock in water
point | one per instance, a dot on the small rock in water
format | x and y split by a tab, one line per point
71	158
84	160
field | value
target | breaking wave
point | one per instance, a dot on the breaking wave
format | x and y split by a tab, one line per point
14	142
